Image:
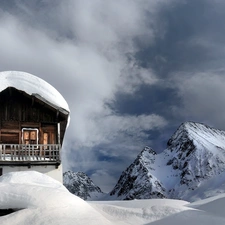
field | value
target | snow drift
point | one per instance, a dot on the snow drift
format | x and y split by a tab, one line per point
41	200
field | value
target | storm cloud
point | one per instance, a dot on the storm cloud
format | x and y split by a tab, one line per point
131	71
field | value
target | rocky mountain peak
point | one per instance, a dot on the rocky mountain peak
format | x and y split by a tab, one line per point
146	157
182	134
195	154
80	184
137	181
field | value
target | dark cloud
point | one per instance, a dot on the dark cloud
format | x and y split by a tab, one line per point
131	71
158	98
193	32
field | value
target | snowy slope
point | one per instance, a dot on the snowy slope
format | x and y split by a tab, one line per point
194	156
208	211
164	211
40	200
136	212
32	85
81	185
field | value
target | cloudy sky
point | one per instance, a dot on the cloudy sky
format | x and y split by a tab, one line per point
130	70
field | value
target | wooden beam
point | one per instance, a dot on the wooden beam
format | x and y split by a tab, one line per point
8	134
10	131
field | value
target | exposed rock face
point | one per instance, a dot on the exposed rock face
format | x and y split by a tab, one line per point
80	184
137	180
195	155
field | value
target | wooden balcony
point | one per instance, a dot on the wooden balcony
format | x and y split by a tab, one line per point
20	154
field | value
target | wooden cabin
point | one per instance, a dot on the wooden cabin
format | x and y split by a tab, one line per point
32	128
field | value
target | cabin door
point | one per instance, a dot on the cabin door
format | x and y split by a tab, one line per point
48	134
49	138
46	138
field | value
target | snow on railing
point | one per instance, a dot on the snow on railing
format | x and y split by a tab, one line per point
37	152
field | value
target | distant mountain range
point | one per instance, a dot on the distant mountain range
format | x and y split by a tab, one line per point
191	167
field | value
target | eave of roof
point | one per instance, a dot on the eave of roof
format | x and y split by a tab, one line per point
60	109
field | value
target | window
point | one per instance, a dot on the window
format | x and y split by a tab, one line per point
29	136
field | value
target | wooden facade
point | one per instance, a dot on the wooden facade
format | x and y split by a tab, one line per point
30	120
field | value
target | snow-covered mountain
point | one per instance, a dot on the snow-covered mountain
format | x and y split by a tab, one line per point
79	184
191	167
137	181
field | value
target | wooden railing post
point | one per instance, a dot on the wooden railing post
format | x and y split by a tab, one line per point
4	152
41	152
11	152
32	151
49	152
53	152
59	153
0	152
44	152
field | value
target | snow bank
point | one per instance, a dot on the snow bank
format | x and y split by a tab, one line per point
31	178
213	205
44	201
32	85
136	212
208	211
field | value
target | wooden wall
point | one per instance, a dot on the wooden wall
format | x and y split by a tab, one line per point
19	110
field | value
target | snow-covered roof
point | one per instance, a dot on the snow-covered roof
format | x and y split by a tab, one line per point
33	85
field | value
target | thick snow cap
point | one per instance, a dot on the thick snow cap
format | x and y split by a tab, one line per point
32	85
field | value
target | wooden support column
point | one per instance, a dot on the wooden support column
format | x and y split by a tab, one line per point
0	131
20	133
58	133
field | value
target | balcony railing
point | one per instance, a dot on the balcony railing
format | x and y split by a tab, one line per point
37	152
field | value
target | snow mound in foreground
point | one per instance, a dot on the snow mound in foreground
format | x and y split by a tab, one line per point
31	178
40	200
43	200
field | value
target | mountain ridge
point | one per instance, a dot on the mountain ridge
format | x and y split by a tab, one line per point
194	154
192	167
